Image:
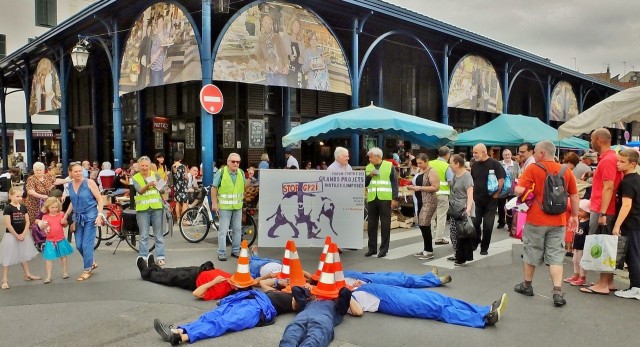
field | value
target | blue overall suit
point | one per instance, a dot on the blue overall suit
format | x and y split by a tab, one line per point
256	263
400	279
240	311
313	327
417	303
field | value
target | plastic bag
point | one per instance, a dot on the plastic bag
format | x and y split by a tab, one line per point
492	182
600	253
465	227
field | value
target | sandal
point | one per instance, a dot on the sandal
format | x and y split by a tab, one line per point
32	278
94	266
47	281
5	285
84	276
65	276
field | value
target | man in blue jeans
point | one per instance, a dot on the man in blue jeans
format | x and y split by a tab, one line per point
227	196
149	209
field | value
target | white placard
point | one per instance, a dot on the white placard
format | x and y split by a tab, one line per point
308	205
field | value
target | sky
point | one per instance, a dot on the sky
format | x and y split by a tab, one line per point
582	35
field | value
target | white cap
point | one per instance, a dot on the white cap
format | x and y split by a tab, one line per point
585	205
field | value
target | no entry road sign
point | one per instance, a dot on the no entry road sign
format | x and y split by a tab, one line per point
211	99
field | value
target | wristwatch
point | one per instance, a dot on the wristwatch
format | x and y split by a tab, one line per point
601	214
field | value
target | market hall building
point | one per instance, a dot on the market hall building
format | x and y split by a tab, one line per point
125	77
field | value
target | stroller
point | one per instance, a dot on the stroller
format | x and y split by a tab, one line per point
39	236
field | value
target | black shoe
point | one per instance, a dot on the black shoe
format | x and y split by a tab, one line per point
500	225
222	257
452	258
484	253
163	330
235	255
559	300
370	253
520	288
151	260
301	296
175	339
382	254
342	304
142	265
455	263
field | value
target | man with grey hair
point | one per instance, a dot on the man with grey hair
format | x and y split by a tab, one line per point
382	191
439	219
543	234
108	174
341	162
227	196
86	166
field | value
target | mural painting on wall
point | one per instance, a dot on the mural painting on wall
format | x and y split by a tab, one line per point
161	49
564	104
474	86
280	44
45	89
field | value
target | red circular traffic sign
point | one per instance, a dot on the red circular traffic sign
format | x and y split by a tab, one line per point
211	99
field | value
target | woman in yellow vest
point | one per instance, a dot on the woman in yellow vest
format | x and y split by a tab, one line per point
227	195
149	209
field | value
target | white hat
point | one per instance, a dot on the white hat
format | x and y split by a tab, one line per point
585	205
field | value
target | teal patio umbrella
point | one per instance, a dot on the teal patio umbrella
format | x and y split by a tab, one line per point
514	129
372	120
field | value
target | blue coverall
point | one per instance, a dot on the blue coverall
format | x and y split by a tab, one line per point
400	279
256	263
313	327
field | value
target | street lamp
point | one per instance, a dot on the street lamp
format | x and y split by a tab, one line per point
80	55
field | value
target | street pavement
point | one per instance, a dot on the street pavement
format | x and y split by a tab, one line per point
116	308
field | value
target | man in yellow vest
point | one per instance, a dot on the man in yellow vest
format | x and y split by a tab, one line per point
439	220
149	208
227	196
382	191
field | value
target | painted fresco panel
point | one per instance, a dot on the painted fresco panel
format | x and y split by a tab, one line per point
474	86
45	88
564	104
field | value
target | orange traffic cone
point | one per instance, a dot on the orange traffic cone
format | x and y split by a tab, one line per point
326	287
286	261
327	242
242	278
337	266
296	274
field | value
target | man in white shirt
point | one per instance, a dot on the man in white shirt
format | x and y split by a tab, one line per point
291	160
341	162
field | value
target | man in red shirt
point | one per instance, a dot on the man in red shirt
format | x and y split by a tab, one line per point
543	234
606	179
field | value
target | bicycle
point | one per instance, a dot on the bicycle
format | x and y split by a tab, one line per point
113	226
197	220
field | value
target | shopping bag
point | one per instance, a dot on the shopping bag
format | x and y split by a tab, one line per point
521	220
622	252
465	228
600	253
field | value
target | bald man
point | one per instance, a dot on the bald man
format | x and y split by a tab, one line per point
486	202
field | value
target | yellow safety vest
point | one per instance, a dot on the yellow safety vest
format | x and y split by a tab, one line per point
230	196
441	168
151	199
380	184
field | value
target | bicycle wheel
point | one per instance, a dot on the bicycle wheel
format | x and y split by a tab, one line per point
133	239
194	224
249	230
98	238
168	223
107	233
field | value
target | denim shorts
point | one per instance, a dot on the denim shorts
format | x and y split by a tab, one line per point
543	244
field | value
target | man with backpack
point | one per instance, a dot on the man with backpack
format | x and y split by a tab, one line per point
543	234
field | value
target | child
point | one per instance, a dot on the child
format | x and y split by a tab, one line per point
579	277
17	244
56	245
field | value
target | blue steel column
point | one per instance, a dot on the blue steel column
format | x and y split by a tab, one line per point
505	89
355	92
445	85
62	113
94	114
207	133
118	155
3	113
29	127
547	100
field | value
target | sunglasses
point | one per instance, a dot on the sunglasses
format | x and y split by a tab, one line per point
234	161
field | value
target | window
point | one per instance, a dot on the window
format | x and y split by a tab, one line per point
46	15
3	46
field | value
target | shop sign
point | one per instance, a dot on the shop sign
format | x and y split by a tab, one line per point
190	136
161	124
256	133
228	133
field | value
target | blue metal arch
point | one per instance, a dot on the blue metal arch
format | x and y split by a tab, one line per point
584	97
238	13
398	32
515	77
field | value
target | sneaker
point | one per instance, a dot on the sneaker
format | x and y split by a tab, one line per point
142	264
631	293
558	299
455	263
579	282
452	258
427	256
520	288
163	330
222	257
572	278
445	279
150	259
497	310
491	318
420	254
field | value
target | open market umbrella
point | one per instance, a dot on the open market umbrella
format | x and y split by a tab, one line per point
623	106
372	120
514	129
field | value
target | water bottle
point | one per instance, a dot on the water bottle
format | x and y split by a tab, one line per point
492	182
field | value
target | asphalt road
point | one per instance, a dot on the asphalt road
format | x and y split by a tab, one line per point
116	308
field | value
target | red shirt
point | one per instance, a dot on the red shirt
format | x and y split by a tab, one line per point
605	171
535	175
56	232
218	291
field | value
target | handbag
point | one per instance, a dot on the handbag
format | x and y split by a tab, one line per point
600	253
465	228
623	246
456	210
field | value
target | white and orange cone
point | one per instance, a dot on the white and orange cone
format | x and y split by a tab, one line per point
326	287
242	278
327	242
296	274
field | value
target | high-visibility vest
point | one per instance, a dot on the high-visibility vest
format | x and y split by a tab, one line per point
230	196
151	199
441	168
380	185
